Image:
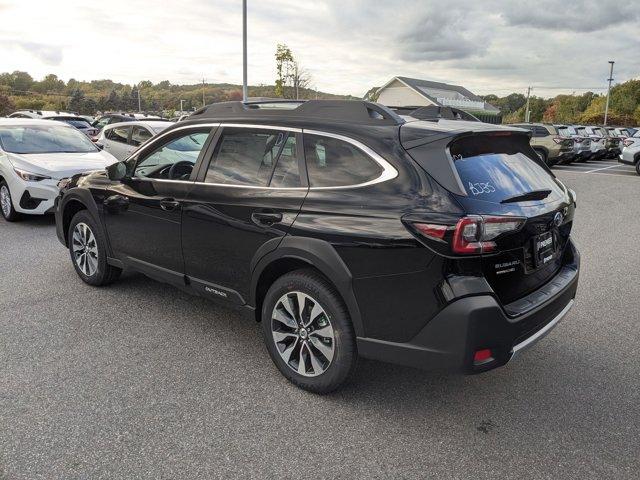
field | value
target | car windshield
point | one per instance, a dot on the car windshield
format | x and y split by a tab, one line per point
30	139
77	123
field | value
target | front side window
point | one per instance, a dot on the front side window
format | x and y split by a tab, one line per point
332	162
246	156
118	134
175	158
44	139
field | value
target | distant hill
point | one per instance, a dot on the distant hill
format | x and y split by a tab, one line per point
18	90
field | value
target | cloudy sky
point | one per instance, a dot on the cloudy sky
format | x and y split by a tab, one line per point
490	46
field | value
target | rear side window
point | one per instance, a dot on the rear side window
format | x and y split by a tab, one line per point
494	168
540	132
249	157
332	162
139	136
118	134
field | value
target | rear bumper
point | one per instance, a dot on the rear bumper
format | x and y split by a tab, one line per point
449	341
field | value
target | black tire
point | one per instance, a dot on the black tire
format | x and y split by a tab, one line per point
12	215
345	354
104	274
638	166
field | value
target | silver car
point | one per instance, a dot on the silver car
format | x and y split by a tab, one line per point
581	144
122	139
631	151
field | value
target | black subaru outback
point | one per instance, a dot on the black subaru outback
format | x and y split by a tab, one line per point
345	228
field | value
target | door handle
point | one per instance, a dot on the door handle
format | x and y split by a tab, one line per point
169	204
266	218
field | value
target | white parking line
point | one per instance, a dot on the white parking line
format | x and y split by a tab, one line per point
604	168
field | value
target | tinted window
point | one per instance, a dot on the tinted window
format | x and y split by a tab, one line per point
287	174
179	152
246	157
139	136
118	134
540	132
44	139
495	168
77	123
100	123
333	163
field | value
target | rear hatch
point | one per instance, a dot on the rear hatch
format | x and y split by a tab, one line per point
525	213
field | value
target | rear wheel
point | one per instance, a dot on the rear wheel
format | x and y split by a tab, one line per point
6	204
638	166
308	332
88	251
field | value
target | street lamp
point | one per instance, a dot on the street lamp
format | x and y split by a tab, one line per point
244	51
181	109
610	79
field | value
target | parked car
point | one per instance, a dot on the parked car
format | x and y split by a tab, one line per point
550	146
612	142
598	141
345	229
121	139
71	118
34	156
581	145
630	154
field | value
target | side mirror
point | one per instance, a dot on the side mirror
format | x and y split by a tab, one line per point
117	171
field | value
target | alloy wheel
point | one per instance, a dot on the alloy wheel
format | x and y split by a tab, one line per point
303	334
85	249
5	200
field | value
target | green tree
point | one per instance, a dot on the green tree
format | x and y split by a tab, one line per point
284	67
76	102
6	105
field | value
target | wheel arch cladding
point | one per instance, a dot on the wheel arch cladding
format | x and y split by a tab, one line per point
73	203
301	252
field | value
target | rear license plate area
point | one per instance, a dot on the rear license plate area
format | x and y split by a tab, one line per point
544	248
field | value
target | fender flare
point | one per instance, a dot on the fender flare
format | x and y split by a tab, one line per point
319	254
84	196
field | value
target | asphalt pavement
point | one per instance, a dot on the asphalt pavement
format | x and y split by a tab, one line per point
139	380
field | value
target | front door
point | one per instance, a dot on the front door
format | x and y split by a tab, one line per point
242	206
143	213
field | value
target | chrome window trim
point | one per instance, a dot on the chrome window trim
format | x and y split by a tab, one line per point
388	171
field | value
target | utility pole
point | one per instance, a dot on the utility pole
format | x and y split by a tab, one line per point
139	103
610	79
527	113
181	109
244	51
203	92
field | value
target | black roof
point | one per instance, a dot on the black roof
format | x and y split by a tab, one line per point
347	111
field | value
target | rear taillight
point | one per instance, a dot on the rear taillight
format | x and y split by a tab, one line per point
558	139
471	235
627	142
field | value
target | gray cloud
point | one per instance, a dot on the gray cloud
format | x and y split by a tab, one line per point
49	54
576	16
442	34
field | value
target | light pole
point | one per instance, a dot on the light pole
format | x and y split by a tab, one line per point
244	51
181	110
527	113
610	79
203	92
139	103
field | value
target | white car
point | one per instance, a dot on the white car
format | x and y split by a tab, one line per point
631	152
72	119
34	156
122	139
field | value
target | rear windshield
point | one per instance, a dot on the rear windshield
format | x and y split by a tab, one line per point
77	123
494	169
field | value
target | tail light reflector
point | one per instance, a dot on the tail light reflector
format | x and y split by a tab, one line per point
482	356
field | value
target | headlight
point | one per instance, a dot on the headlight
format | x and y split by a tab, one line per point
30	177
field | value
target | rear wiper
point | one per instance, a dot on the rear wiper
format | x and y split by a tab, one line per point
533	195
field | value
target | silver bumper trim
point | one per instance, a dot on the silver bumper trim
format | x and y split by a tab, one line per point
541	333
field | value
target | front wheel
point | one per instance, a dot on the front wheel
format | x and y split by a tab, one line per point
88	251
308	331
6	204
638	167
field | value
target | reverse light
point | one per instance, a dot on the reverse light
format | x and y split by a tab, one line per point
30	177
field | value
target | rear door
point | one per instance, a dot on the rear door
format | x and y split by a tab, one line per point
243	204
117	142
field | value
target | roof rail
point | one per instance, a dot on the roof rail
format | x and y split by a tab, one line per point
435	112
353	111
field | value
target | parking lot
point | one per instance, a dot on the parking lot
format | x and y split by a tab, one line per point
599	167
140	380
